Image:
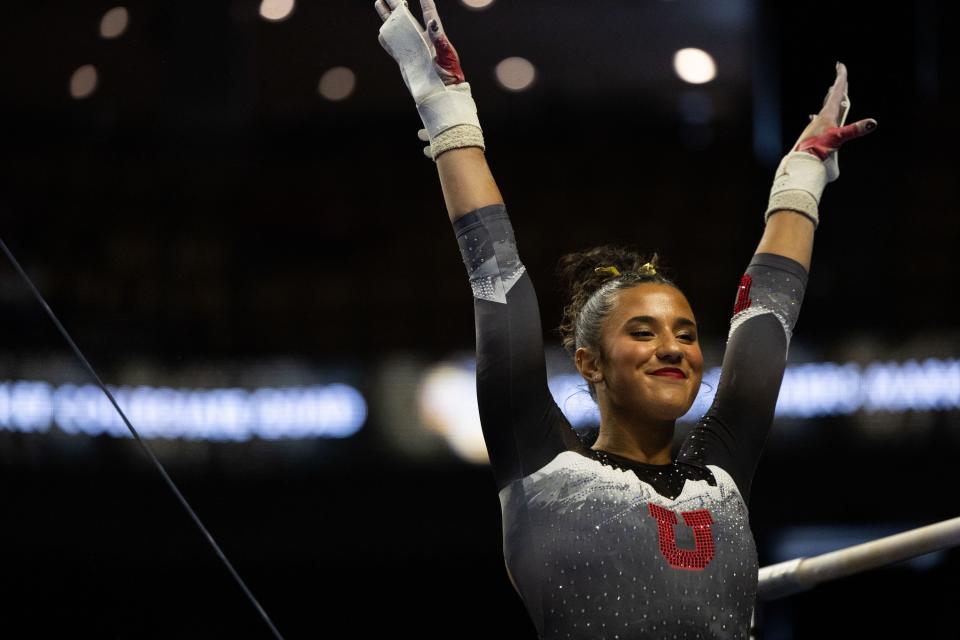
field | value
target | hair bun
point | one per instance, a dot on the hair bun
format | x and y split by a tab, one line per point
582	273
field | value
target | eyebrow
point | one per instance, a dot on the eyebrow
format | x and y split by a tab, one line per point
684	322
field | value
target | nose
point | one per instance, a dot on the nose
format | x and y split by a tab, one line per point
670	351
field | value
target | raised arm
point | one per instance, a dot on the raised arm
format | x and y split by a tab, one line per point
522	426
430	67
466	181
767	305
804	172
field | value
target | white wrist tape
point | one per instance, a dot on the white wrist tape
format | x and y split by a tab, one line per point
462	135
798	185
452	107
439	106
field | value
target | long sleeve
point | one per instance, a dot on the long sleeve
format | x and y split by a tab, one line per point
523	427
734	430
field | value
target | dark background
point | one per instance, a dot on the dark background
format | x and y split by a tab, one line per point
206	205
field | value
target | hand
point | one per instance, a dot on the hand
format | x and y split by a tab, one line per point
430	67
445	59
826	131
812	162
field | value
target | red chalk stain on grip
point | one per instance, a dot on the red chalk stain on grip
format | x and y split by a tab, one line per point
447	58
830	140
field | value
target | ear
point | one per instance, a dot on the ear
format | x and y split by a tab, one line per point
588	365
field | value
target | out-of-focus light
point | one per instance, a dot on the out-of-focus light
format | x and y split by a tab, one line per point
114	23
449	402
695	66
83	82
515	74
337	83
276	10
477	4
270	413
448	405
572	395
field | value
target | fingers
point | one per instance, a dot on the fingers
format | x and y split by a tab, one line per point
384	7
856	130
831	90
833	138
429	9
836	94
826	131
424	136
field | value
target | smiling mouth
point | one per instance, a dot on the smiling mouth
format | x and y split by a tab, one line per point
670	373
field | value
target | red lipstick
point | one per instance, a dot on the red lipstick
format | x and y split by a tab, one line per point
670	372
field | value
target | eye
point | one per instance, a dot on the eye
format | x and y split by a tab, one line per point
641	332
688	336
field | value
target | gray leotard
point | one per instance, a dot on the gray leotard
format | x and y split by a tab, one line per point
600	546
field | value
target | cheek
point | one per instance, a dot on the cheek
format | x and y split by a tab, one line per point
630	354
695	357
640	352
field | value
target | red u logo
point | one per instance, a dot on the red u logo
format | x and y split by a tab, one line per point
695	559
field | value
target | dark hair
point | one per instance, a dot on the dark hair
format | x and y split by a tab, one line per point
592	294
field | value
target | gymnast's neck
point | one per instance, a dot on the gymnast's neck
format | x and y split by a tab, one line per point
642	439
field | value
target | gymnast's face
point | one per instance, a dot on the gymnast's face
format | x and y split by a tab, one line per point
651	328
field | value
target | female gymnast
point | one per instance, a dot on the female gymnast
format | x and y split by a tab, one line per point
617	540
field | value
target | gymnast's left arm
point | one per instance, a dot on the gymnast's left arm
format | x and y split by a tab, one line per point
805	171
767	304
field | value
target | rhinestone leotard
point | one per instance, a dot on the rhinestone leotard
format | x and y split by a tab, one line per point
600	546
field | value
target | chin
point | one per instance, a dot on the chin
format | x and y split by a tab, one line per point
672	411
662	412
674	415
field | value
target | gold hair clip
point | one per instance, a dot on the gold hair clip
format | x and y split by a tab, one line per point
611	270
648	269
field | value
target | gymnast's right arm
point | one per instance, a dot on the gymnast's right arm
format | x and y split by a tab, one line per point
522	426
466	181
